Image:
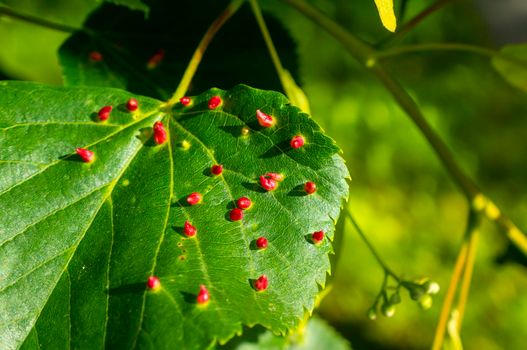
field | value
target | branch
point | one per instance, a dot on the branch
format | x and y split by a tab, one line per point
6	11
192	66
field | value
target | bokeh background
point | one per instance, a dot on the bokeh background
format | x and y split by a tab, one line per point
400	194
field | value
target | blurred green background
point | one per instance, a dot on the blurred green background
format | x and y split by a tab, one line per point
400	193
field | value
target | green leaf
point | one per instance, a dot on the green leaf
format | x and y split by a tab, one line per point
315	336
79	240
385	9
132	4
149	56
511	63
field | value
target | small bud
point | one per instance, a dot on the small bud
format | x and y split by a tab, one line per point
86	155
416	291
189	230
203	295
96	56
153	283
261	243
388	310
261	283
395	298
425	302
275	176
317	237
264	120
431	287
243	203
372	314
132	105
268	184
104	113
185	101
160	134
214	102
245	131
194	198
216	169
236	214
310	187
297	141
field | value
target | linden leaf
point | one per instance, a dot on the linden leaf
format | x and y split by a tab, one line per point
79	241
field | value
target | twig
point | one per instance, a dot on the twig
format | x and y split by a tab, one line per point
9	12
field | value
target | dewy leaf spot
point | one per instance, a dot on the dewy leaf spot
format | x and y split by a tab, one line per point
153	283
245	131
86	155
203	295
236	214
310	187
317	237
243	203
297	141
160	134
267	183
214	102
156	59
132	105
185	101
261	283
264	120
104	113
194	198
216	169
261	243
189	230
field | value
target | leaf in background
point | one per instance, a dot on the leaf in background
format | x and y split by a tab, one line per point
296	95
316	335
149	56
79	240
513	67
385	9
132	4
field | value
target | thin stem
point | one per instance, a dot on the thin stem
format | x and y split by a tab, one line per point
370	246
268	41
6	11
467	276
411	24
192	66
367	56
449	297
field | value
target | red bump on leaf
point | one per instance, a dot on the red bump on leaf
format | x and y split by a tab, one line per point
236	214
297	141
317	237
243	203
96	56
214	102
310	187
132	105
261	283
185	100
86	155
267	183
189	230
203	295
104	113
160	134
216	169
264	120
194	198
275	176
153	283
261	243
156	59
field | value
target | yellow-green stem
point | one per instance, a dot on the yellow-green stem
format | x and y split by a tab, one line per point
467	277
192	66
9	12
